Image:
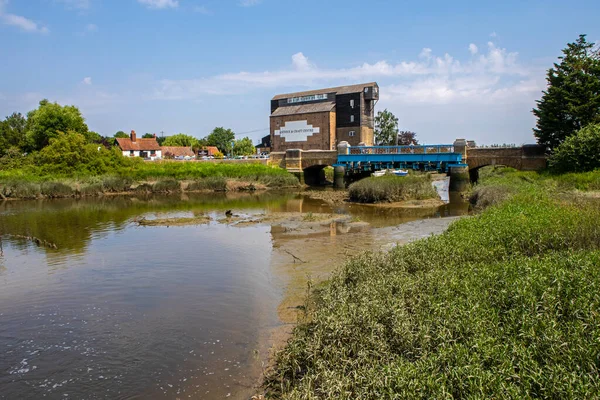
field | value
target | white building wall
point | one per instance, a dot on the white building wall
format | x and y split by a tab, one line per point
137	154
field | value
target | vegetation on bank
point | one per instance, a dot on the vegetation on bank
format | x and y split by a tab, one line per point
391	188
502	305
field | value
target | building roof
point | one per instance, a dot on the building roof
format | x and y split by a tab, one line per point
304	109
210	149
338	90
177	151
139	145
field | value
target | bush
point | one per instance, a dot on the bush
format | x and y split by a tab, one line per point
22	190
279	181
578	153
166	185
116	184
56	189
216	183
392	188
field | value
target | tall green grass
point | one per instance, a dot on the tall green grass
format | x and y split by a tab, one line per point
390	188
504	304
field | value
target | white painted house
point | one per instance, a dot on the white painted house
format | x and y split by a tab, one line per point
145	148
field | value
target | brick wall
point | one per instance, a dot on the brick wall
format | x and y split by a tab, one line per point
323	140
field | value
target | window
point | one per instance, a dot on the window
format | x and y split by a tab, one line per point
352	103
352	118
366	90
152	152
351	133
130	152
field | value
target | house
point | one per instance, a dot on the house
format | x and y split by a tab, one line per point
145	148
208	151
264	147
320	119
177	152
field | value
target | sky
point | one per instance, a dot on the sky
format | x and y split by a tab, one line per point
447	70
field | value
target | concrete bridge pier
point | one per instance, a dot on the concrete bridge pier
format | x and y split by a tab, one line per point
339	175
459	179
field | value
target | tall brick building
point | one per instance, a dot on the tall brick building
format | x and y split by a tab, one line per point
320	119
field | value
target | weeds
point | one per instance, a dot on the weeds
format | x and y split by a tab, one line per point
392	188
502	305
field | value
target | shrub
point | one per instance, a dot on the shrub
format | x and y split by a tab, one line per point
56	189
279	181
22	190
578	153
216	183
392	188
115	184
166	185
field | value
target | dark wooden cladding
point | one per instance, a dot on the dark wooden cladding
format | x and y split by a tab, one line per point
344	110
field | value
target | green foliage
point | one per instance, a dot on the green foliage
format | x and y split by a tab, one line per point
579	152
386	128
502	305
166	185
180	139
21	189
221	138
279	180
56	189
392	188
572	99
215	183
121	135
48	120
115	184
243	147
69	152
12	133
147	136
218	155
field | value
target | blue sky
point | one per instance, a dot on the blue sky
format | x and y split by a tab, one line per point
469	69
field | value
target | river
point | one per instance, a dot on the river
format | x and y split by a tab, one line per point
94	305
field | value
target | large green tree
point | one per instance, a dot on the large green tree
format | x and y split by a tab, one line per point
221	138
572	99
181	139
406	138
45	123
244	147
386	128
121	135
12	132
579	152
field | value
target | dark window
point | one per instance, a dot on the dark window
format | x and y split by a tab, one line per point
152	152
130	152
351	133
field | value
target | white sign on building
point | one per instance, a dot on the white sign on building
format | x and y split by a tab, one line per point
296	131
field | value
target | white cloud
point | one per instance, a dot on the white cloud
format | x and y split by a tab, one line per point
23	23
160	4
87	80
250	3
91	28
473	48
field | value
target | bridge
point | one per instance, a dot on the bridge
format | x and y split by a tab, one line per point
357	161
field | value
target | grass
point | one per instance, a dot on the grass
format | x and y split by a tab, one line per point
140	177
504	304
389	188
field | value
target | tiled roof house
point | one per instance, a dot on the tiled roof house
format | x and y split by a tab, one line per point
145	148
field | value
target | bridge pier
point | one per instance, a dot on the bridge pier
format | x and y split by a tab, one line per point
459	179
339	176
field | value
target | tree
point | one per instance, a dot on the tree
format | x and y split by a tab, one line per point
572	99
93	137
147	136
45	123
244	147
578	153
121	135
386	128
12	132
181	139
221	138
406	138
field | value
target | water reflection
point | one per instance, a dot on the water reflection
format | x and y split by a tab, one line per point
117	310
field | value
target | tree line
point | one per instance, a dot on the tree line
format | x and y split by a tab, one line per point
24	134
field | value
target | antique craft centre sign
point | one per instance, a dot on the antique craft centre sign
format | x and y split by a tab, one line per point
296	131
302	99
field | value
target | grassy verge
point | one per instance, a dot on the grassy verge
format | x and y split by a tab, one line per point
502	305
165	177
391	188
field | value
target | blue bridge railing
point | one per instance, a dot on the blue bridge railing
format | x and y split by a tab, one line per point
438	157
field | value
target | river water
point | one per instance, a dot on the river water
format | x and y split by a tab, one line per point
95	306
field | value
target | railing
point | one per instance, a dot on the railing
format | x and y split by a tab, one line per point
426	149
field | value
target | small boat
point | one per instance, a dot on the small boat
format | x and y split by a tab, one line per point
400	172
378	173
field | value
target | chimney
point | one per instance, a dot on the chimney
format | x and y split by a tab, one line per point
154	135
133	137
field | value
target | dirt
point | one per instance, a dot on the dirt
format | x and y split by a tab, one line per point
197	220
